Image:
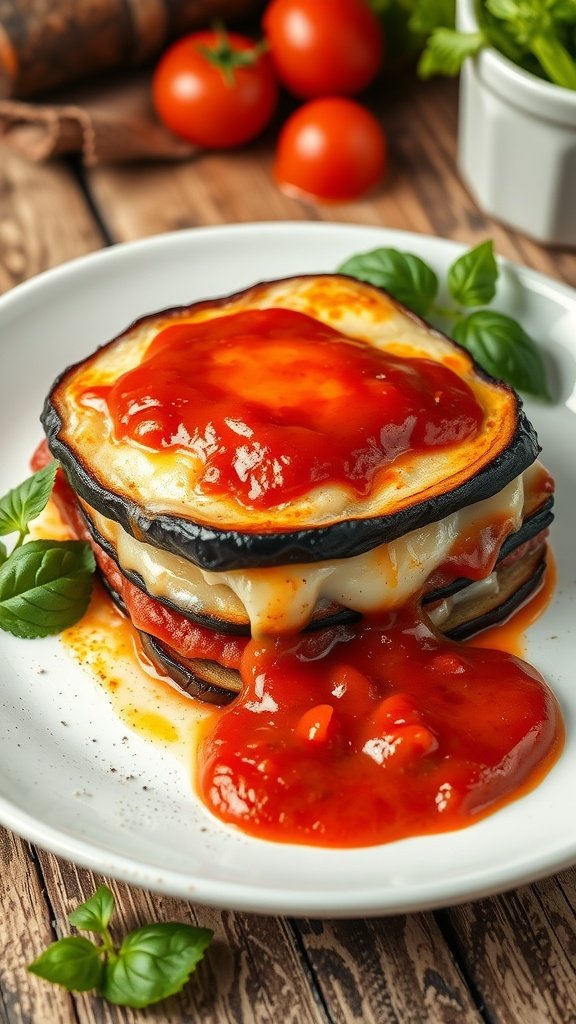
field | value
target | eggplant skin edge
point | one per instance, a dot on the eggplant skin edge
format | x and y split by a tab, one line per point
217	549
503	611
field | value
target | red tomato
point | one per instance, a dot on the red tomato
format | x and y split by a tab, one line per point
214	88
330	149
324	47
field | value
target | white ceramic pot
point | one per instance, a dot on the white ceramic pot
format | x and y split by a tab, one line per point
517	143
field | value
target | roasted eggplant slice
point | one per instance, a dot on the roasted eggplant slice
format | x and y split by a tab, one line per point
201	678
205	680
459	615
478	608
534	526
521	564
163	492
531	527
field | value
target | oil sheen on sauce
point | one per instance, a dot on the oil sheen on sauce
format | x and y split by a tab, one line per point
104	644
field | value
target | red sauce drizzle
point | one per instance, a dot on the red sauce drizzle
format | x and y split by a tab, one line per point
273	402
372	733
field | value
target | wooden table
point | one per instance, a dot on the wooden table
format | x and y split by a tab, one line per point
506	960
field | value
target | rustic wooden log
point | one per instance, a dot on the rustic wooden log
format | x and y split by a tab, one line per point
48	43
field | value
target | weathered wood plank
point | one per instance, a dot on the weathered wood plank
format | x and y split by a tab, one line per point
211	189
519	950
44	219
393	971
252	971
25	929
424	191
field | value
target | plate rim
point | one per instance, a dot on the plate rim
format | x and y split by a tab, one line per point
240	897
247	897
117	250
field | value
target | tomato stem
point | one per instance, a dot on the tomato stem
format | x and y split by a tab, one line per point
223	56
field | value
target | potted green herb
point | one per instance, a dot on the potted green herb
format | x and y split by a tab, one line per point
517	134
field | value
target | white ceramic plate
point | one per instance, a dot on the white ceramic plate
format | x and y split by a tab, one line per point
141	821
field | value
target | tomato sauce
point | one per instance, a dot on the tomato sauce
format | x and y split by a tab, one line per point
273	402
375	732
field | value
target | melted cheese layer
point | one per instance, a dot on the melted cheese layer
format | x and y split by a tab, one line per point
283	598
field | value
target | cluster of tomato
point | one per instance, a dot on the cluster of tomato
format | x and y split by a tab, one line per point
220	89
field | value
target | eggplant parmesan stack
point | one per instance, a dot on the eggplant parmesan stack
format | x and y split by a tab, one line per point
291	458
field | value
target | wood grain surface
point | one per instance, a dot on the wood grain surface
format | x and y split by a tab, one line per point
505	960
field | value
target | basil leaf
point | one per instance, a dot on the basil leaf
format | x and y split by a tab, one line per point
45	586
74	962
563	10
95	914
153	963
472	277
503	348
24	503
558	63
3	553
446	50
506	10
408	278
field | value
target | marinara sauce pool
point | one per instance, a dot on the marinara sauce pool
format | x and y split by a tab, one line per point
373	732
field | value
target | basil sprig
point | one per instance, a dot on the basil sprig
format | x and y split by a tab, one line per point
151	963
537	35
472	277
503	348
497	342
45	585
24	503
